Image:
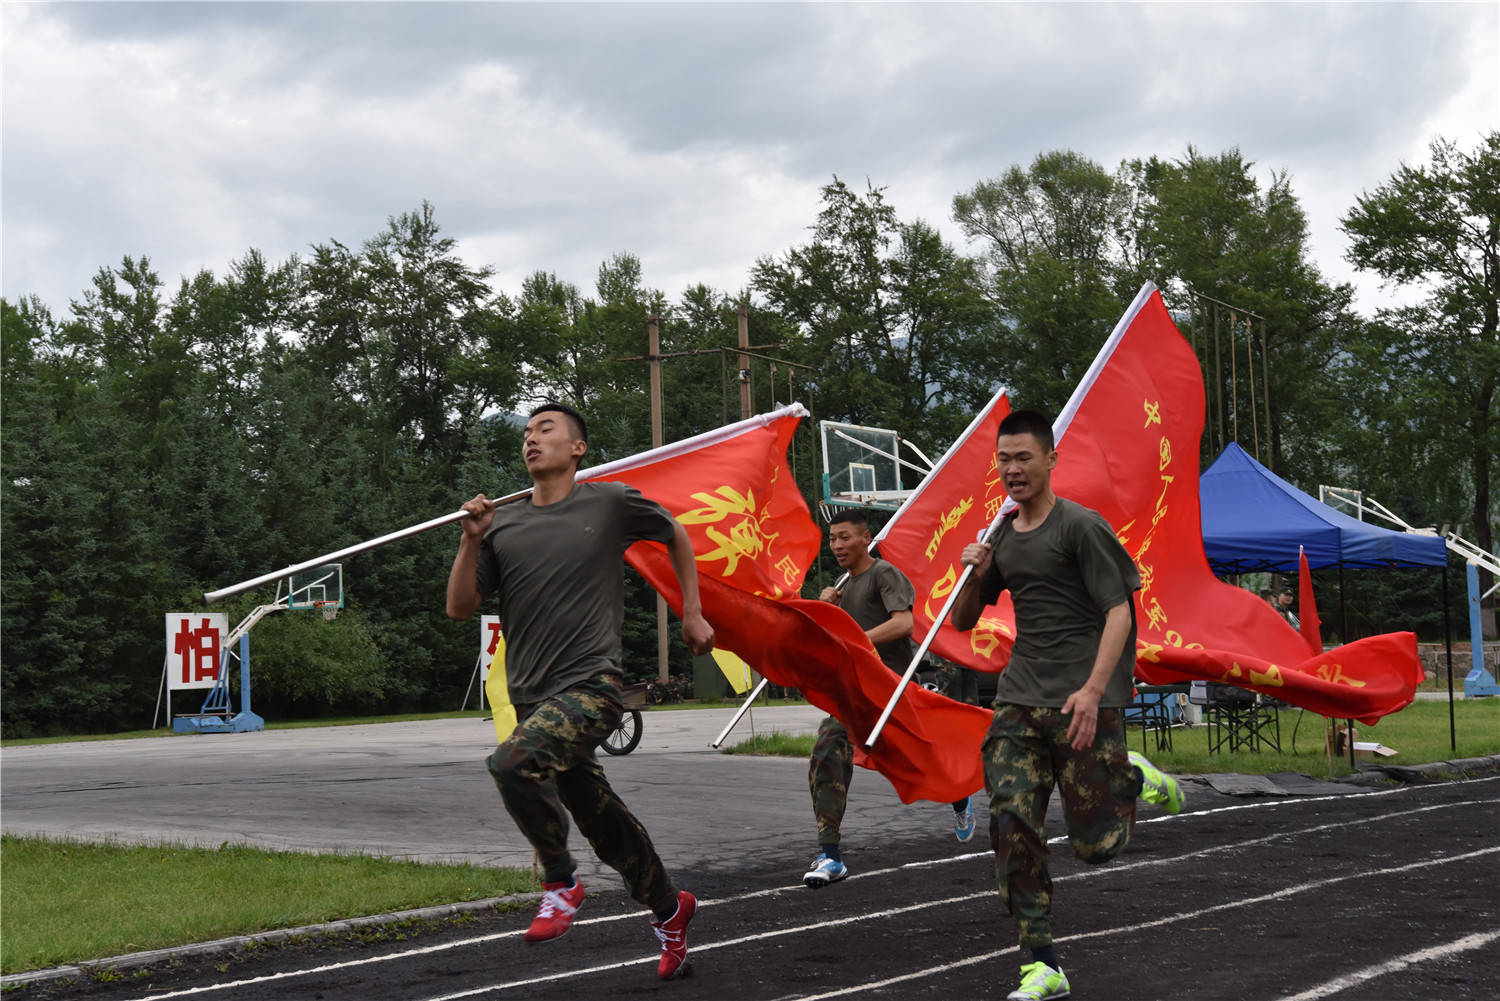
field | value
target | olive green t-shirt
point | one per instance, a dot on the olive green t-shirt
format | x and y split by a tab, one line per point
1063	576
871	597
559	573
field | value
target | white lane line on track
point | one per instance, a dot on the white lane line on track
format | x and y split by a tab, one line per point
1340	984
1195	814
1156	923
755	894
965	898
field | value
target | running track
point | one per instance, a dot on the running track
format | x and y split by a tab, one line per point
1384	895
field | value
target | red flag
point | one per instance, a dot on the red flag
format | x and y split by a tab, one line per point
1310	624
754	540
950	509
1131	453
1128	448
731	489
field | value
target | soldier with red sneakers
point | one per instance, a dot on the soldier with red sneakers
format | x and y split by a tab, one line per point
557	567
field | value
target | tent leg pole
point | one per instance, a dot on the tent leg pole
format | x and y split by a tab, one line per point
1344	625
1448	644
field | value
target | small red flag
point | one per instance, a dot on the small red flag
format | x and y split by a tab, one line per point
1307	606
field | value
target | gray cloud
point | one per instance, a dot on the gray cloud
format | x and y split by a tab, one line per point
550	136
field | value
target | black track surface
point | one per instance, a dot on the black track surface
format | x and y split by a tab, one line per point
1376	895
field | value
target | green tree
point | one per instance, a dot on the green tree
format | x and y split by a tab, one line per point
1435	228
1046	235
891	316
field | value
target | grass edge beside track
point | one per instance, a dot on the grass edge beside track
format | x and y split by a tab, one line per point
56	915
1419	734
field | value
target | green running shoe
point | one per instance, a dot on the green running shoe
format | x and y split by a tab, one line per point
1157	786
1040	982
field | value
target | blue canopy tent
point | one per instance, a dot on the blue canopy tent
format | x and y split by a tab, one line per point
1254	521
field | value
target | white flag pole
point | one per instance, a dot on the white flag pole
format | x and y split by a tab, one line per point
609	468
1059	428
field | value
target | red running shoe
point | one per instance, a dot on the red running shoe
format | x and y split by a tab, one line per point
673	935
559	903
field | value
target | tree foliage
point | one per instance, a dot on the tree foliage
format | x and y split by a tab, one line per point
1435	228
156	445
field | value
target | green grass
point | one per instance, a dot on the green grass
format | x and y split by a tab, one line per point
69	901
775	743
1419	734
298	724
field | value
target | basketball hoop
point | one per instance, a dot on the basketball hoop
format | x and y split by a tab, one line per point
330	609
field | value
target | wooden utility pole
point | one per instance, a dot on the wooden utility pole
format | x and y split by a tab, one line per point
745	403
653	355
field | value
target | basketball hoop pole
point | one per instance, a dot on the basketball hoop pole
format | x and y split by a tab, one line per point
210	597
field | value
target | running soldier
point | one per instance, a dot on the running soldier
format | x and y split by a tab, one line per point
879	598
1058	709
556	564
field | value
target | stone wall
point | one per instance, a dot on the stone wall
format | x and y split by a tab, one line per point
1435	660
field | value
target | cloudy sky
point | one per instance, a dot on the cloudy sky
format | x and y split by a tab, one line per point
696	136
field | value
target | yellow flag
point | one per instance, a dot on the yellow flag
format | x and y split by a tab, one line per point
734	668
497	690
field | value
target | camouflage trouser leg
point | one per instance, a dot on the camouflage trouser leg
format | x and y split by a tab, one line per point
1025	753
547	765
828	774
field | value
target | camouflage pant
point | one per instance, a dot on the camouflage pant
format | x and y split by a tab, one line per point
546	769
828	774
958	683
1025	753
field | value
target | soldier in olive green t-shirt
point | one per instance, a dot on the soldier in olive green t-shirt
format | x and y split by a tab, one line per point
1058	708
879	598
555	561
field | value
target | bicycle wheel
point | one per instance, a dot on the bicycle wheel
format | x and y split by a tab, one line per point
623	738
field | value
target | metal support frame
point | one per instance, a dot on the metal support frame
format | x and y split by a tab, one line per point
217	715
1478	682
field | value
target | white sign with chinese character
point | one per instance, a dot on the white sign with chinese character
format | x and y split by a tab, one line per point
195	643
490	637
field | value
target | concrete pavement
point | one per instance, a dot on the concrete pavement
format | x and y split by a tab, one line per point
419	790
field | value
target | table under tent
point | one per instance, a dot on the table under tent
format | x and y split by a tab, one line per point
1254	521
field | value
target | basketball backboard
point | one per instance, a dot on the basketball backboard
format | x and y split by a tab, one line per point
321	588
862	466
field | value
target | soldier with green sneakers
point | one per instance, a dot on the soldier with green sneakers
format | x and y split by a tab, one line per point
1059	716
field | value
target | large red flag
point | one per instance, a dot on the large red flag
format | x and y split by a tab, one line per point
754	540
731	489
1131	453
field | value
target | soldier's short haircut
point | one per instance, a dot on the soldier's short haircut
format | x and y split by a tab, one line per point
853	516
1028	422
580	428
